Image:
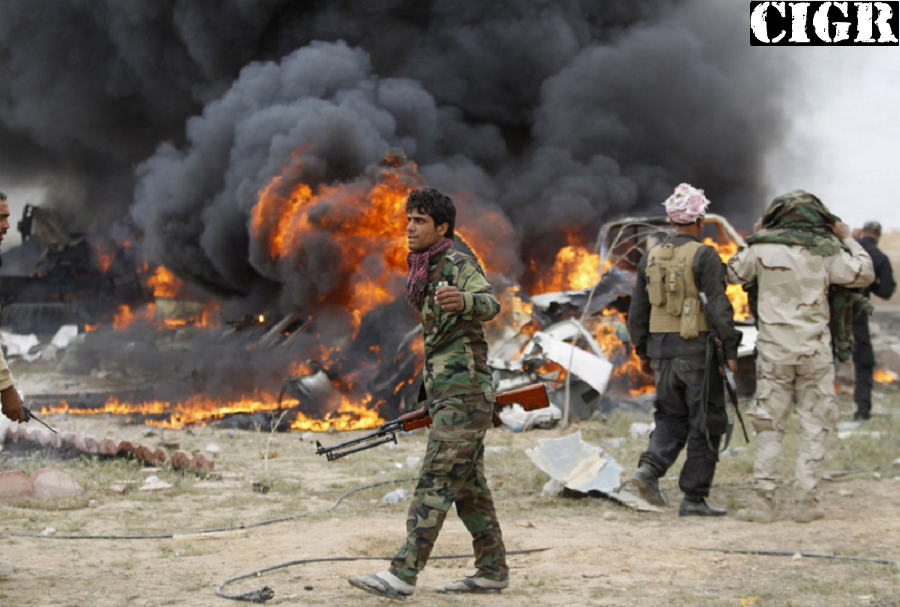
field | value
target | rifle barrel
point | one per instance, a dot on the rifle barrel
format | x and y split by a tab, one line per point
387	428
334	453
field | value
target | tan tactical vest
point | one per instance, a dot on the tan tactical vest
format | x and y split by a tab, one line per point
672	291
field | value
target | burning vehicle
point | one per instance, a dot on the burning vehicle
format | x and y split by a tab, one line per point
56	277
583	333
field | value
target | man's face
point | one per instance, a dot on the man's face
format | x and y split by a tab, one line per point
4	219
421	232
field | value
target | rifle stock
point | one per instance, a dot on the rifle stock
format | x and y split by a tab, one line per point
531	398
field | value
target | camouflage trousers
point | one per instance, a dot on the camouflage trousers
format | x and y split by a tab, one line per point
452	473
776	387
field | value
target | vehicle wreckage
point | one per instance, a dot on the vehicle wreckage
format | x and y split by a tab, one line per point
574	341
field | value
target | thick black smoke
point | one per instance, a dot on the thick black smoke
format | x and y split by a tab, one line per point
558	113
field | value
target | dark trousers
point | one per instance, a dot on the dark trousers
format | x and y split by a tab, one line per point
864	361
680	420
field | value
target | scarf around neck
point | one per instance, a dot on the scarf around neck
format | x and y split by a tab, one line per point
417	279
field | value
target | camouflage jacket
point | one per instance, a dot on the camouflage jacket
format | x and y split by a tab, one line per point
6	378
455	346
793	308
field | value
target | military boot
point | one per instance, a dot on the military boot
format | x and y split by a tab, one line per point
648	485
692	506
807	511
762	511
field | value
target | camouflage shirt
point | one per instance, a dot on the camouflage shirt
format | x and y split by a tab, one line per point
455	347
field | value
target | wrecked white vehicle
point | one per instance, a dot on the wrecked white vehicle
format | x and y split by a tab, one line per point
602	372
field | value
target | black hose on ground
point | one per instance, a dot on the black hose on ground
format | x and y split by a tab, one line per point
836	557
261	595
163	536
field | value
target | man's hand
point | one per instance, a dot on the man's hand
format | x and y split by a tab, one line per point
842	230
646	367
449	298
732	366
12	404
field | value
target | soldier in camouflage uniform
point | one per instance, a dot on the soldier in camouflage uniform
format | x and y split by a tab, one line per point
9	397
800	251
455	300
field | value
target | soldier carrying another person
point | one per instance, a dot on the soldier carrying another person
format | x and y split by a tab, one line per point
798	251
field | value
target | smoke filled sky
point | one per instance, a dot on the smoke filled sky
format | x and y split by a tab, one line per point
169	117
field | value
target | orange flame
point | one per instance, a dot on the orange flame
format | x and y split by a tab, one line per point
369	228
126	317
575	268
884	376
164	283
104	256
202	410
627	372
739	299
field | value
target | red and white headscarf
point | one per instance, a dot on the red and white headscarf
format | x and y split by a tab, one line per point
686	205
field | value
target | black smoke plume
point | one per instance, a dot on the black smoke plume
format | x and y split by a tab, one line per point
560	114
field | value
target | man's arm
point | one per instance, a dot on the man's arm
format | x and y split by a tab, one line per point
884	284
853	270
477	293
639	312
719	311
9	397
742	267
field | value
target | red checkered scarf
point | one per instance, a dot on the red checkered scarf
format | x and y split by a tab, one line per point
417	279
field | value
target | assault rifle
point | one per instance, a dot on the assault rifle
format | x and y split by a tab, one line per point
730	383
28	415
531	398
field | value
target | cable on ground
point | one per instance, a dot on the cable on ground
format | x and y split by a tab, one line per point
261	595
837	557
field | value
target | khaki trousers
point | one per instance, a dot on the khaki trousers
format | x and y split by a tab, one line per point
777	385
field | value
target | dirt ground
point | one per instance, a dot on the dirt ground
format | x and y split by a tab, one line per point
599	553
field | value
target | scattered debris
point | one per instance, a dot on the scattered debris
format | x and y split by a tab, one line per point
576	464
641	430
154	483
26	347
64	336
395	496
517	419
